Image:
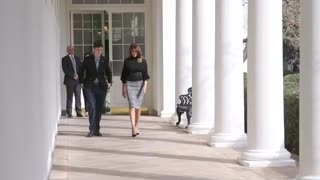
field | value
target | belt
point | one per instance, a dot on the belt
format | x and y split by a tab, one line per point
136	75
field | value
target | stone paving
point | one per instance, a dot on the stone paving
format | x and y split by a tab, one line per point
161	152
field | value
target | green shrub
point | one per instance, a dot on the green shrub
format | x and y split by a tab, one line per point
291	111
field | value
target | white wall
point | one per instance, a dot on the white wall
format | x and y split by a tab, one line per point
64	42
29	98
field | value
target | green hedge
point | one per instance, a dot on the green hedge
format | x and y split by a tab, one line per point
291	111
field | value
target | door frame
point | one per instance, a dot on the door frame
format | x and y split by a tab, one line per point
123	8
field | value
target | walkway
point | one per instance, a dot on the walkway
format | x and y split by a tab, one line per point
162	151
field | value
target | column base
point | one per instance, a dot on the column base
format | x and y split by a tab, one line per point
263	158
167	114
227	140
199	129
307	178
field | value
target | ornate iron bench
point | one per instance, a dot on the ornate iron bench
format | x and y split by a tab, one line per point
185	106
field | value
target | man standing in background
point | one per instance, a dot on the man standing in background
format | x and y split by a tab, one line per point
71	67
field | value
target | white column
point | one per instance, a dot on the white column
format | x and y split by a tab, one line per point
310	90
183	49
168	58
28	106
229	99
203	57
265	87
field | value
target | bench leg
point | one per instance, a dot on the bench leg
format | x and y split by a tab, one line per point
189	118
179	117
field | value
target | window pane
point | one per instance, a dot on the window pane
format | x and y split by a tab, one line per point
87	24
90	1
102	1
138	1
142	50
87	17
126	1
97	21
139	20
117	68
116	20
97	35
77	1
77	20
77	24
77	17
117	52
78	51
127	36
126	51
139	36
117	36
77	36
87	37
87	21
114	1
128	20
87	49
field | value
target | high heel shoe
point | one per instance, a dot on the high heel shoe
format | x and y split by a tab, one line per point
138	131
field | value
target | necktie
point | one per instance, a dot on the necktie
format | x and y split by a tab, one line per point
96	81
97	64
74	65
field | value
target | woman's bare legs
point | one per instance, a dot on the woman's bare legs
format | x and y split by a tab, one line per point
137	113
133	121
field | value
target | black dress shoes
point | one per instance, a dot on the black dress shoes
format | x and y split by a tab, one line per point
79	115
90	134
98	134
69	116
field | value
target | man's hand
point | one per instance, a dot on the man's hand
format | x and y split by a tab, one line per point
109	85
76	77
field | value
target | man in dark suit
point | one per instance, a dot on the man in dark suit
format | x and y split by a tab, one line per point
96	78
71	68
86	55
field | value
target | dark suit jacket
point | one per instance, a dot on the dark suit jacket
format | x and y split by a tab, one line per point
89	72
69	71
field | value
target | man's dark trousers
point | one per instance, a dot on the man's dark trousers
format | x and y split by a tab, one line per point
95	99
75	89
70	67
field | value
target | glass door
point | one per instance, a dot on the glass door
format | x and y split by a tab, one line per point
126	28
117	31
88	27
